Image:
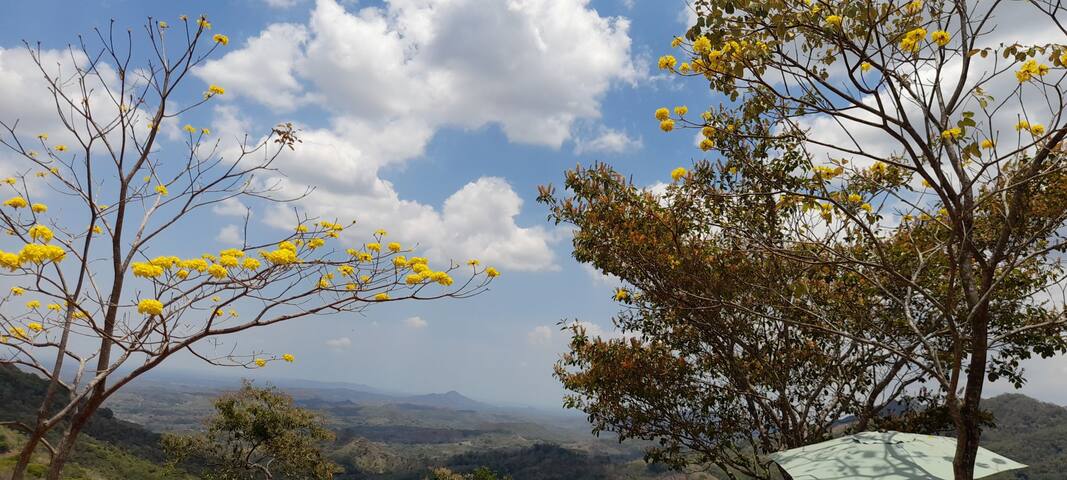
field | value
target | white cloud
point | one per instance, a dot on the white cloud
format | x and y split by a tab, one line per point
262	69
540	335
477	221
393	76
534	68
415	323
607	140
601	278
230	235
230	207
340	343
280	3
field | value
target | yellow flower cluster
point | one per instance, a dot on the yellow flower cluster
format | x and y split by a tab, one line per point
220	38
621	294
288	357
1033	128
39	208
834	20
1030	69
678	173
284	255
40	233
667	62
16	202
32	253
941	37
952	135
912	40
150	307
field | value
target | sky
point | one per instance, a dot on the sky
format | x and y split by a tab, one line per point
435	120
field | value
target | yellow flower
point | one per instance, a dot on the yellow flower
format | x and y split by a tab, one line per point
685	68
681	110
621	294
217	271
382	296
162	24
667	62
39	208
41	233
281	256
324	282
261	362
301	229
228	261
197	264
33	304
393	247
205	131
910	42
162	190
987	144
42	136
1022	125
60	148
10	180
215	90
381	233
16	202
865	66
1031	69
676	41
34	253
834	20
220	38
491	272
678	173
250	264
702	45
288	357
855	197
350	286
662	113
54	307
941	37
915	6
1037	129
867	207
37	327
18	332
666	125
414	279
146	270
707	144
16	291
203	23
182	274
953	134
233	313
189	128
316	243
374	247
474	262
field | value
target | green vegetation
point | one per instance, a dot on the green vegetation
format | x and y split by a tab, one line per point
255	433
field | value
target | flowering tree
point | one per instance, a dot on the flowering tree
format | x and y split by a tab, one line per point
100	288
908	146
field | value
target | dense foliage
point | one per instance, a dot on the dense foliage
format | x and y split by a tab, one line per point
256	433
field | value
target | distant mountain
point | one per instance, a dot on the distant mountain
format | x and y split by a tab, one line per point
1028	431
451	400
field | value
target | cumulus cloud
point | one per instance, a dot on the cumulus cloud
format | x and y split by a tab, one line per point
607	140
416	323
230	207
534	69
230	235
340	343
540	335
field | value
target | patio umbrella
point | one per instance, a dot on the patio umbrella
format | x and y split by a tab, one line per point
885	456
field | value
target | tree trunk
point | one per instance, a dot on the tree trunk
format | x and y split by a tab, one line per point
968	428
66	446
19	471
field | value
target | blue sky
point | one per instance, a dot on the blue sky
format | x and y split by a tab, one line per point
435	120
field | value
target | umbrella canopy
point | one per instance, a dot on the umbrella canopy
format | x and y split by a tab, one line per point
885	456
